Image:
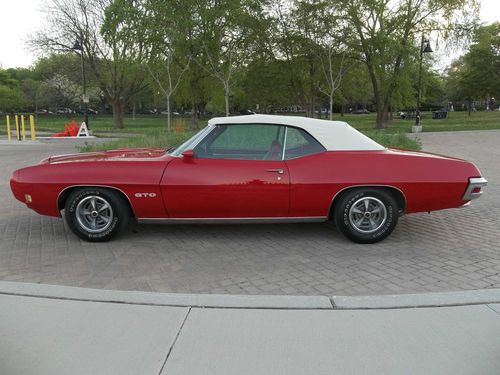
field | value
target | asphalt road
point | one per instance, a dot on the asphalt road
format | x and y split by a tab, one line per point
456	249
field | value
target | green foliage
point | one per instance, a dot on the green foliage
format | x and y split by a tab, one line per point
433	89
397	140
105	31
11	96
385	34
11	99
237	54
267	84
476	75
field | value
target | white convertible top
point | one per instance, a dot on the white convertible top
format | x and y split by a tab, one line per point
333	135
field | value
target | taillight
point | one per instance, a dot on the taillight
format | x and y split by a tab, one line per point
474	188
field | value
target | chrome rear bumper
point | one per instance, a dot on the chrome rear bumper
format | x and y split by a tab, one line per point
474	184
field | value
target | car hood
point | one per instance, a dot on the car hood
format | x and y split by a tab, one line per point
112	155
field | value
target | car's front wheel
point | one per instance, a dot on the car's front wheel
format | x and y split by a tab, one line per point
96	214
366	215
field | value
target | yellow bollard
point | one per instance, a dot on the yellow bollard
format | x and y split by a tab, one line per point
32	127
17	128
23	128
8	128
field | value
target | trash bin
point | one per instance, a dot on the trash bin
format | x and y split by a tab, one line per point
438	115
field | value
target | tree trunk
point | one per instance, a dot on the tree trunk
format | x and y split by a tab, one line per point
226	98
169	115
331	108
118	114
193	116
382	115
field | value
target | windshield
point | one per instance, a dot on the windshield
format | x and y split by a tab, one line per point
190	143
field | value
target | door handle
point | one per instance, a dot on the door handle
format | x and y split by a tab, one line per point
280	171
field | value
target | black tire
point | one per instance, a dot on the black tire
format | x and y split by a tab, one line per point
101	223
366	225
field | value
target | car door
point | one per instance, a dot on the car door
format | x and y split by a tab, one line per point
308	166
236	171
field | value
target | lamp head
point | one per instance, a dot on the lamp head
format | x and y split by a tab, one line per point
77	46
427	47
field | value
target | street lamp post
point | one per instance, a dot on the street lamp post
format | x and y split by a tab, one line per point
425	47
79	47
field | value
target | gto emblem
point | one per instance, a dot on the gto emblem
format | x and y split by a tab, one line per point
145	195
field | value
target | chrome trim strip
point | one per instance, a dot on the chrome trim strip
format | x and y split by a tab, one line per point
284	144
237	220
90	186
474	182
368	185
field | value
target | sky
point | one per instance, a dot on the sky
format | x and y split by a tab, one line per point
19	18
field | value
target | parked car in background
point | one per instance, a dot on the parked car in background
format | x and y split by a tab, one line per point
255	168
174	113
45	112
247	112
360	112
65	111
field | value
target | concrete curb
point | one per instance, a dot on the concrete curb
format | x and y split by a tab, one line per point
398	301
401	301
164	299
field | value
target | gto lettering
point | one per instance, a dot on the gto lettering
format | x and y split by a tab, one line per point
145	195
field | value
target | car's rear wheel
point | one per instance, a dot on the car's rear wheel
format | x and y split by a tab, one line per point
96	214
366	215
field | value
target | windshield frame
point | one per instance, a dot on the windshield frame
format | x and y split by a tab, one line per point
191	143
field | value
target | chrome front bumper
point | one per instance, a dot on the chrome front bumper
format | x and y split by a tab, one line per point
474	184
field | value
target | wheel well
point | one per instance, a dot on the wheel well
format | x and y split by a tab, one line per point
395	192
63	196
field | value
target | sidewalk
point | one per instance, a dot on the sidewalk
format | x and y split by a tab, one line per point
61	330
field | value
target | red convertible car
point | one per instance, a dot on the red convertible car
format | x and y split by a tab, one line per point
255	168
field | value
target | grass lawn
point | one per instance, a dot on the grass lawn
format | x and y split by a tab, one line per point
150	130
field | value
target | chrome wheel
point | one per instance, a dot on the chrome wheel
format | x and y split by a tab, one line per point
367	215
94	214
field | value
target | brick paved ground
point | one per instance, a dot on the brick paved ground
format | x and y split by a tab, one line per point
449	250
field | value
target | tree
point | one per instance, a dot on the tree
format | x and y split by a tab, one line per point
433	90
174	31
11	97
167	58
333	75
170	81
302	30
266	84
476	75
228	27
108	45
480	71
386	34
